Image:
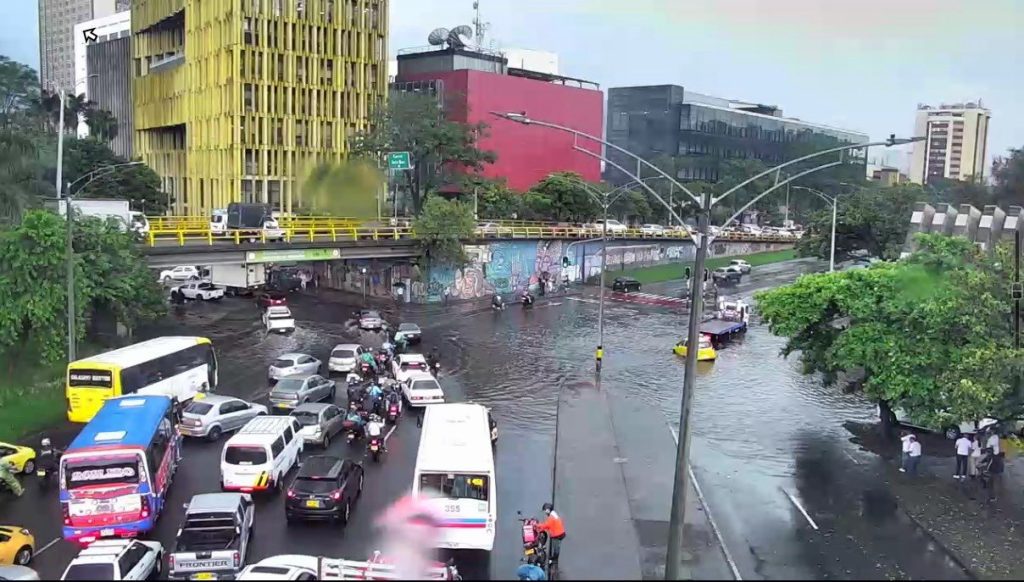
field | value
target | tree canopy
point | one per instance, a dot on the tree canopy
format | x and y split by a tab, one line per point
931	333
109	277
139	184
438	148
441	226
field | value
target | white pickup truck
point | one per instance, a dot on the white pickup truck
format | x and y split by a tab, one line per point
203	290
213	542
278	318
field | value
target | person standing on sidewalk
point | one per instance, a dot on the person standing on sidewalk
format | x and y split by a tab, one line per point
445	298
991	469
905	458
913	455
975	458
963	452
993	441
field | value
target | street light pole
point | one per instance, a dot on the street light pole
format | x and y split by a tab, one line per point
673	563
604	267
834	200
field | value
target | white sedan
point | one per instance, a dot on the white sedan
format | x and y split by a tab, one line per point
405	364
652	229
292	363
421	389
179	273
117	560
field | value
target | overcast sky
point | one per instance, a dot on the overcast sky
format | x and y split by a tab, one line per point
861	64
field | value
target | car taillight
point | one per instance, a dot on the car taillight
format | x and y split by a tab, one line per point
170	561
66	513
236	558
145	507
336	494
291	493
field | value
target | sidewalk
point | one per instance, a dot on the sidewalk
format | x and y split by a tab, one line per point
984	537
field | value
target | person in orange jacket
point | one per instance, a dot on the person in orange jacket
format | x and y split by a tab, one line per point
555	529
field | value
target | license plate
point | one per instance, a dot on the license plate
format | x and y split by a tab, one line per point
204	576
281	405
530	552
373	448
40	473
312	503
108	531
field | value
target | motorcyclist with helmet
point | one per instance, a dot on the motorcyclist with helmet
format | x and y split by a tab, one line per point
497	302
555	529
48	456
375	394
375	430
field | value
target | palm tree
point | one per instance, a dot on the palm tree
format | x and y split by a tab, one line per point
21	184
74	106
102	124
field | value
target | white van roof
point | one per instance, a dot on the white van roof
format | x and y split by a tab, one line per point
455	438
262	430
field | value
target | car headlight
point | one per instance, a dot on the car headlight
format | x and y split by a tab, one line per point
25	532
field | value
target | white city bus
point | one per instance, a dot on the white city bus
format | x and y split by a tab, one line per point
455	470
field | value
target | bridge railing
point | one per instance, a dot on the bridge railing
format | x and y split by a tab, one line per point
309	231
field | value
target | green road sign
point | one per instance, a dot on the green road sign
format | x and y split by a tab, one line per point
292	256
399	161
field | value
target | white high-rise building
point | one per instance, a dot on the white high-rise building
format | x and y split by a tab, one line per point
956	144
57	19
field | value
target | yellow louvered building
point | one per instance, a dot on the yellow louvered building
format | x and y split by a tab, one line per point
236	100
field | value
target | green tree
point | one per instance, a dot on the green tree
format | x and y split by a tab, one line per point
438	148
1008	178
102	124
930	333
494	199
871	219
632	204
110	275
562	197
140	184
22	144
441	227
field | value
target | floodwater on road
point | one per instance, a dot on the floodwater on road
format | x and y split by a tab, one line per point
766	439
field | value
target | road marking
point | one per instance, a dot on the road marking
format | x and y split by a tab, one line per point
393	427
711	518
855	461
582	300
801	508
47	546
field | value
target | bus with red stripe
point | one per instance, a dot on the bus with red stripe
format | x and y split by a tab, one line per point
455	474
115	475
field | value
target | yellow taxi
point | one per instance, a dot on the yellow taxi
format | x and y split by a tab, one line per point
16	545
23	459
705	351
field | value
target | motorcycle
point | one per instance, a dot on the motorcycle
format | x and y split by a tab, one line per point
498	306
535	543
365	370
452	570
375	446
436	368
527	300
393	412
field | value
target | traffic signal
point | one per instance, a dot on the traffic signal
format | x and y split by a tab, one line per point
565	261
687	272
707	275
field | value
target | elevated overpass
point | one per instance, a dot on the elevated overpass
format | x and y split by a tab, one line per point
189	240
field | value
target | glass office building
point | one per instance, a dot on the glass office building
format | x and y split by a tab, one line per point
702	131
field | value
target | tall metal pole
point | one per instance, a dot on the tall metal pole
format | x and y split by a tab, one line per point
832	251
604	265
69	215
681	486
1016	280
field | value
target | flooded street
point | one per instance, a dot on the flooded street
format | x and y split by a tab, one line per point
768	443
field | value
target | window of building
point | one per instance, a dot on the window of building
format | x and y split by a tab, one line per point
247	31
274	194
248	98
250	162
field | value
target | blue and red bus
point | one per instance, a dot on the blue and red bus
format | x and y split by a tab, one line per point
115	475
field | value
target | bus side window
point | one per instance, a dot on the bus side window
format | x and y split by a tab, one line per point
160	442
131	380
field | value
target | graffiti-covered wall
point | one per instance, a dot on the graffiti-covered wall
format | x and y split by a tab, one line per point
512	266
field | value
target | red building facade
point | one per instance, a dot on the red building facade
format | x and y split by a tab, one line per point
525	154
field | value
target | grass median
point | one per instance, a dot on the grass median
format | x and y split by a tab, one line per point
672	271
31	400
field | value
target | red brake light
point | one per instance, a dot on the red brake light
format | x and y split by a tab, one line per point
145	507
291	493
170	561
336	494
66	513
236	558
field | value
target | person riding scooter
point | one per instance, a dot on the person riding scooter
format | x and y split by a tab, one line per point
527	298
374	394
497	302
367	358
375	430
47	459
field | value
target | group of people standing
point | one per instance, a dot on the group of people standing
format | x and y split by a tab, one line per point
978	456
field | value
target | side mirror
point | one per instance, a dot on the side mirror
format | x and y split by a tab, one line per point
184	506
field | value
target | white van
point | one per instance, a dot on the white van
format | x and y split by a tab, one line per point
455	470
219	222
421	388
260	455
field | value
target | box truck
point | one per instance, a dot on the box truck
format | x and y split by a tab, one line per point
239	279
118	209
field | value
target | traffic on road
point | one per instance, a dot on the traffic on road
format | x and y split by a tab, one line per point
521	366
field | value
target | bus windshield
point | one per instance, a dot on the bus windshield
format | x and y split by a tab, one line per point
456	485
93	472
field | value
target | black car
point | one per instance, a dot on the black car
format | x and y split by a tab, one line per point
325	488
625	284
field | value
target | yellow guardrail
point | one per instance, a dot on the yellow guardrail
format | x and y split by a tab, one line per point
312	232
199	222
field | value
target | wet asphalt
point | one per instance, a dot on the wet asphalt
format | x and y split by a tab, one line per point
792	496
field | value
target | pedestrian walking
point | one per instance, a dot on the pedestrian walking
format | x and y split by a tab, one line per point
972	461
990	468
303	280
446	293
913	455
905	458
963	452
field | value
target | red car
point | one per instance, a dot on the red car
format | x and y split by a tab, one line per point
271	298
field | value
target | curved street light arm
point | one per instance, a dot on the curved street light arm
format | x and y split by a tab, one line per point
818	193
518	118
775	169
98	173
776	187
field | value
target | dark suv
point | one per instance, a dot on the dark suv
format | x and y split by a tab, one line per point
325	488
625	284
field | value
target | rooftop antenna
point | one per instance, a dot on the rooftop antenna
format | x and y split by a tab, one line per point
479	26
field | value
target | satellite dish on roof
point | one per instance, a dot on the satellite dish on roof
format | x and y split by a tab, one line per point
455	36
438	36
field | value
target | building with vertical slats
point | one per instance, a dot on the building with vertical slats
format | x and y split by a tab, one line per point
237	100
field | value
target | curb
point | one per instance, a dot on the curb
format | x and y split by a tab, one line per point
953	555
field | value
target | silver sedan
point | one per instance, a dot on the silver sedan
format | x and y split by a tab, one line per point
291	391
212	415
